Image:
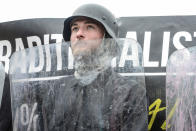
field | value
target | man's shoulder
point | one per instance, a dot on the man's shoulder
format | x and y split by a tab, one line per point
130	82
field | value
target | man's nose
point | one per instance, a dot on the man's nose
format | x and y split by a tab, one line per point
80	34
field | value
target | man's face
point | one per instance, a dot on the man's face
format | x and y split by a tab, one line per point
86	35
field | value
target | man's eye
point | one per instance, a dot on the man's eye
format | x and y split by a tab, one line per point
74	29
90	27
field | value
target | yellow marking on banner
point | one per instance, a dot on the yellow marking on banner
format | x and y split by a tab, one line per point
154	112
163	127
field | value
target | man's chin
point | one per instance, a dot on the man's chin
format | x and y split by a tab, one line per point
81	52
85	61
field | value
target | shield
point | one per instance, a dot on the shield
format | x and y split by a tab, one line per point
86	85
181	90
2	79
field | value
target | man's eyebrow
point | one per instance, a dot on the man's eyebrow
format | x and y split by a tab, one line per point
73	24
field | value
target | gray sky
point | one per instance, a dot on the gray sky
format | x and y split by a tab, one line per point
25	9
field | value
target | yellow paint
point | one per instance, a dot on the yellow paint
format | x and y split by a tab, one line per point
163	127
154	112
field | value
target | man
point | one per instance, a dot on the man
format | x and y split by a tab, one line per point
98	99
95	98
88	46
89	23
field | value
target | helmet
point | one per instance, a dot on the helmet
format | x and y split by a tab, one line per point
96	12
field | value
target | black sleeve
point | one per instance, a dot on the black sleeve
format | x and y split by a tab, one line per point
5	109
135	115
130	105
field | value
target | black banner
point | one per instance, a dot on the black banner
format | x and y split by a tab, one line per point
159	37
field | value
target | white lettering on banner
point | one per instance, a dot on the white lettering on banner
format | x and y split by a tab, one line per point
26	117
178	35
58	38
59	56
146	52
132	35
133	57
46	39
146	49
24	111
5	57
34	39
113	62
70	59
33	61
19	44
165	49
38	65
48	56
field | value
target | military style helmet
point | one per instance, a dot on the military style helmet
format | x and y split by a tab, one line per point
94	11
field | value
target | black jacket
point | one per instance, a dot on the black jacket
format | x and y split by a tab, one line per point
5	110
110	103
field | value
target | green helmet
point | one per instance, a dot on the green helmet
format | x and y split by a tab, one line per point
96	12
